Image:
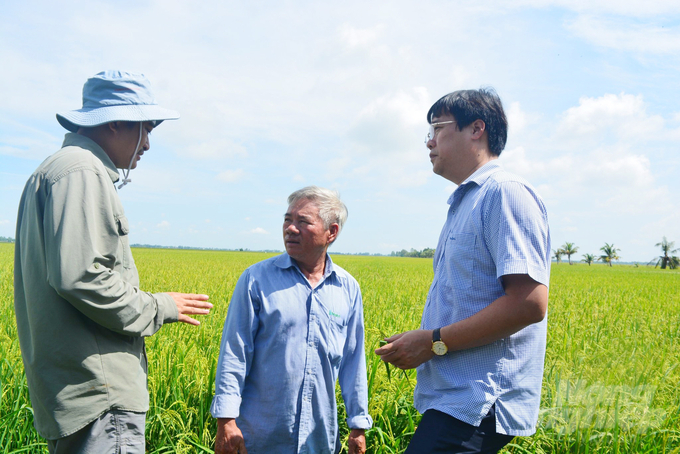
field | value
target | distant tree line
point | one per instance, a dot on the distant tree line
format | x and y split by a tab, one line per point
157	246
610	253
425	253
4	239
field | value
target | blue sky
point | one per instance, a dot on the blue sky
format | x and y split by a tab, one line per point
279	95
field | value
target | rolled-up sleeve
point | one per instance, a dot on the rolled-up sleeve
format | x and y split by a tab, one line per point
87	254
236	350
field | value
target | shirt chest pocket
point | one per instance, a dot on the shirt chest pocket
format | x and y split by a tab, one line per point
124	241
459	259
334	332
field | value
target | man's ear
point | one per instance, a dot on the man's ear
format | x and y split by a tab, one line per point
333	230
114	126
477	128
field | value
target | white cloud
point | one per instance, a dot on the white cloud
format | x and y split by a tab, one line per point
404	107
355	37
4	222
599	170
152	177
26	142
231	176
216	149
387	135
165	225
336	94
624	115
411	179
259	231
625	35
517	119
633	8
594	167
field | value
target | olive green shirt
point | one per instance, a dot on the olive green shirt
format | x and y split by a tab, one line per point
81	316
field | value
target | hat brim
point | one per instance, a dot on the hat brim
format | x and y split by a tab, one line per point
88	118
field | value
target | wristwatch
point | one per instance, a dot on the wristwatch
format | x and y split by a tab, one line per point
438	346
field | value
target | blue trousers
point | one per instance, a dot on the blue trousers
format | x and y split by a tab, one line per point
442	433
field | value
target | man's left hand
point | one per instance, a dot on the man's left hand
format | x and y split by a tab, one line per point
407	350
357	441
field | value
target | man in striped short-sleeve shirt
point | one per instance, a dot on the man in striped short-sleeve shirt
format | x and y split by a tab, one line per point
481	346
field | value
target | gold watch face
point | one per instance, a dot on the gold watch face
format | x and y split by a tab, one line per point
439	348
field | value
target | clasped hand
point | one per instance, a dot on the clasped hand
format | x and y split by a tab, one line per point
407	350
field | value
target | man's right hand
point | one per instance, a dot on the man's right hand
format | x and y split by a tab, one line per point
229	438
191	303
407	350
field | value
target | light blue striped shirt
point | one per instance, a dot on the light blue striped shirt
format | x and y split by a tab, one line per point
284	345
496	225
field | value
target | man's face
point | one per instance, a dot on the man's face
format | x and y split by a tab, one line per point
124	140
304	234
451	153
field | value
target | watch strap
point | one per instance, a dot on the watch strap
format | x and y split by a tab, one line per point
436	335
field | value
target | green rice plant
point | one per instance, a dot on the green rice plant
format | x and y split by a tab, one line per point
16	414
611	368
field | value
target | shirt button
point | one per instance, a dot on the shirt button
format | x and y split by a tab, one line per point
96	266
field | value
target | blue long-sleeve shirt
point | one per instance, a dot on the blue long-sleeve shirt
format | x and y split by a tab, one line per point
284	345
496	225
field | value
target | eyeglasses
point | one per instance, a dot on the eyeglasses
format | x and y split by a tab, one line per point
430	134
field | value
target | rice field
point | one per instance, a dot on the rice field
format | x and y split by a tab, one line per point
611	381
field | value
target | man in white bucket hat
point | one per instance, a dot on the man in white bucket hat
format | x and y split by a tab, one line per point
81	316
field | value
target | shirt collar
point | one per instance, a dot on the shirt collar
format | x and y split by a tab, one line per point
285	261
78	140
479	177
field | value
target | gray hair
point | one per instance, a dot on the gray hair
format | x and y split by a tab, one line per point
331	208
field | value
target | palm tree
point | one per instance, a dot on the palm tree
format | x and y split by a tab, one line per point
557	254
588	258
667	260
609	253
569	249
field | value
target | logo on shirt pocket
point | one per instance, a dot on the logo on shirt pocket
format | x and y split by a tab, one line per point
335	333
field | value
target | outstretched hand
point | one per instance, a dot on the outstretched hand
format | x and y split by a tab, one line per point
191	303
407	350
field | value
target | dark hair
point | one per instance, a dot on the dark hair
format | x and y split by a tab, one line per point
466	106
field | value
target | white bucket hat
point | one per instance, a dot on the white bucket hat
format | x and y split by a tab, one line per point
115	96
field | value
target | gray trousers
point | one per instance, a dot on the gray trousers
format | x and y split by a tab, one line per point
114	432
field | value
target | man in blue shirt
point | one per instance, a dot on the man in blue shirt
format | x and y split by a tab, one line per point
294	327
481	345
